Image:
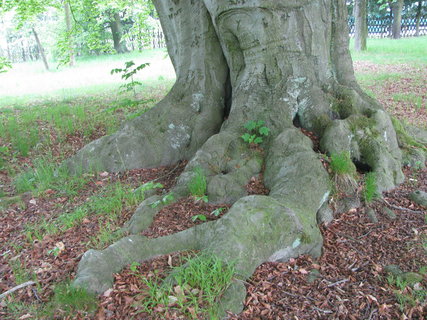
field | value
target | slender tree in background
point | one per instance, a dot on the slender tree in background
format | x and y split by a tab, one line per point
67	11
285	63
41	49
396	9
418	18
361	25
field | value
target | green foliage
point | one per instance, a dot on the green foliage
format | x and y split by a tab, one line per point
4	65
128	73
406	297
167	199
370	192
198	183
200	217
199	283
218	211
341	164
255	132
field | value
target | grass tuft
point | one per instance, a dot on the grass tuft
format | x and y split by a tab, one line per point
198	284
370	192
198	184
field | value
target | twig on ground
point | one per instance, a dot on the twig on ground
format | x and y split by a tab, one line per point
400	208
22	285
337	283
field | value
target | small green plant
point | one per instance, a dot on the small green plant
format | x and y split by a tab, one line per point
197	286
256	130
405	296
128	73
134	266
370	192
198	184
167	199
200	217
218	211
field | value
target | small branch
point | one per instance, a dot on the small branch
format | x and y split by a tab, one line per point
400	208
337	283
321	310
22	285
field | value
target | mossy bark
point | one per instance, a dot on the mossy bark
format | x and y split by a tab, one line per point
285	62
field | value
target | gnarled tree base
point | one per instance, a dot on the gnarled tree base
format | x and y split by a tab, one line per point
284	62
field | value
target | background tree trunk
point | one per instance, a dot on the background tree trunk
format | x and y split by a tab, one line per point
41	49
69	31
396	8
117	31
418	18
361	25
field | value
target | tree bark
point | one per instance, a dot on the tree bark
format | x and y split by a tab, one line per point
396	8
418	18
69	30
361	26
117	31
285	62
41	49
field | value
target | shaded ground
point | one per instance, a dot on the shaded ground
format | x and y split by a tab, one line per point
350	282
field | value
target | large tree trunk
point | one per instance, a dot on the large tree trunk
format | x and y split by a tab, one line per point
285	62
396	8
361	25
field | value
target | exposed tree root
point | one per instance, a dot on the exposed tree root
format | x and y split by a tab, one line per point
282	68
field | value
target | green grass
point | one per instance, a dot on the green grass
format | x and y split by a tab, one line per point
68	299
391	51
411	98
108	203
198	184
370	192
197	286
341	164
47	175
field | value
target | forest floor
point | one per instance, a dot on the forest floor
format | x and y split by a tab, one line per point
49	223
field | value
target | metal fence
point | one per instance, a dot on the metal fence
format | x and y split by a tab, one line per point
381	27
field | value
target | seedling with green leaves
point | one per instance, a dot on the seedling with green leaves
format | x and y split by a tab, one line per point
200	217
167	199
256	130
127	74
217	212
